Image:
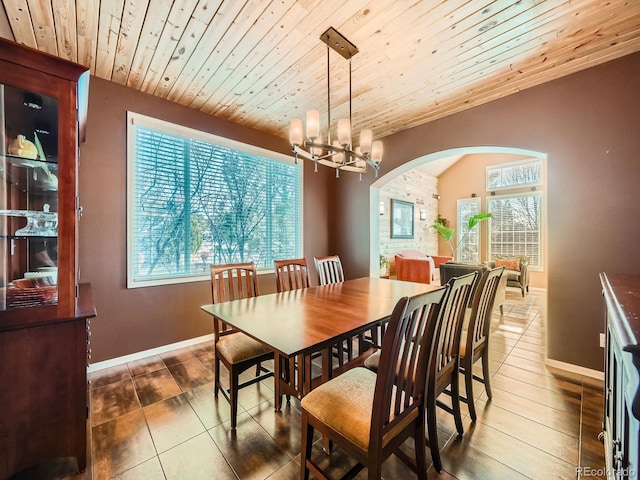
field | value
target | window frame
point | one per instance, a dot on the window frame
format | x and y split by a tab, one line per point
137	119
541	220
462	228
499	166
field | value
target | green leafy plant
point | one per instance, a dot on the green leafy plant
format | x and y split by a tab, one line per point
384	262
441	225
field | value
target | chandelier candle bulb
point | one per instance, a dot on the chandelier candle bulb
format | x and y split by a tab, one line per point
366	137
344	132
376	151
313	124
295	132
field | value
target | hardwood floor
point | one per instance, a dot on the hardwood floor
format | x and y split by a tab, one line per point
157	418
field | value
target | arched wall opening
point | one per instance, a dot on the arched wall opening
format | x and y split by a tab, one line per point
455	153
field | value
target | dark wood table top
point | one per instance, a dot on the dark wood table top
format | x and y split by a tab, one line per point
302	321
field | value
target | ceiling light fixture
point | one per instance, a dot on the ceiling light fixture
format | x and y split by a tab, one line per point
340	153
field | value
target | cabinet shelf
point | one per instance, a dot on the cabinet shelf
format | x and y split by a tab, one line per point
36	177
18	161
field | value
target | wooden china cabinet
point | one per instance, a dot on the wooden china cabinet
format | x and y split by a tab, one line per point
621	425
44	313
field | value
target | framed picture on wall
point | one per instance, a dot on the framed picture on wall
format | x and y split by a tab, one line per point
401	219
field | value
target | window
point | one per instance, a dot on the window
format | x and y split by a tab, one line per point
468	240
195	199
515	226
514	174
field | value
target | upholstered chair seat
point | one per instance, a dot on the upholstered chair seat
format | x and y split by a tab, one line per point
238	347
353	391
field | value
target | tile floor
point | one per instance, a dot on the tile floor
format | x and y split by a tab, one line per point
157	419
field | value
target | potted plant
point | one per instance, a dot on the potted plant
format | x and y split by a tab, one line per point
384	265
441	225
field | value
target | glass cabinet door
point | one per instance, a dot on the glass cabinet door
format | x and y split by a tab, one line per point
28	199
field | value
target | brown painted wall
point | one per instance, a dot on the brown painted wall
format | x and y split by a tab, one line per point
133	320
587	123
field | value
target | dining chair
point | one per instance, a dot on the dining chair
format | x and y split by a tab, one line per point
474	342
370	415
329	269
235	350
291	274
444	361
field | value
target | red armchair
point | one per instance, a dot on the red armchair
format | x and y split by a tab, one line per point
415	266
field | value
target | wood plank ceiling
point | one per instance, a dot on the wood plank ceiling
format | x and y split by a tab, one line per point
261	63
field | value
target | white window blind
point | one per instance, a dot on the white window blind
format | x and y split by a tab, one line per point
514	174
468	240
194	202
515	226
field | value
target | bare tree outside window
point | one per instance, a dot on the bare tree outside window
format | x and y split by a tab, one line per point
197	203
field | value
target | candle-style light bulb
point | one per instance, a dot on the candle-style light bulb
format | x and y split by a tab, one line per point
295	132
313	124
344	132
366	137
376	151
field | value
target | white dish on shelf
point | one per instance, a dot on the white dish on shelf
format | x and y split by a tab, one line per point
52	276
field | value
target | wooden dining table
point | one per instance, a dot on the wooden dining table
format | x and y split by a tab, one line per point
298	323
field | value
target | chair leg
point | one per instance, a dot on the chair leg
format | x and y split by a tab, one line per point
501	309
455	402
216	374
233	397
522	289
305	447
432	428
485	372
420	441
374	470
468	385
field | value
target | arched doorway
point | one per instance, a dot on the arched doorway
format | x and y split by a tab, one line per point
451	156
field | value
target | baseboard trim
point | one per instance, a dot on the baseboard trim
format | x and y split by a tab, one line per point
570	367
113	362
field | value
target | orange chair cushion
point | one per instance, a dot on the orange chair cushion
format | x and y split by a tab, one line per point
237	347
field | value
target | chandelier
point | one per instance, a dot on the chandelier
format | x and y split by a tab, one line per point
339	154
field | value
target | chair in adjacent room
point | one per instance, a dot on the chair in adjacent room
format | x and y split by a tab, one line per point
370	415
235	350
516	270
474	342
444	362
